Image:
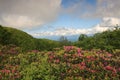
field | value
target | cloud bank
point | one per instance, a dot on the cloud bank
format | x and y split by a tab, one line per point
28	13
107	23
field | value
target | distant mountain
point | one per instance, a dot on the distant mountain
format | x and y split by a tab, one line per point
71	38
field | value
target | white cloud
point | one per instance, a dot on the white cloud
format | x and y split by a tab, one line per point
102	8
108	8
19	21
106	23
69	32
28	13
110	22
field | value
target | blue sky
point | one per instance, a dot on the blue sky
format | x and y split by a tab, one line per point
43	18
68	3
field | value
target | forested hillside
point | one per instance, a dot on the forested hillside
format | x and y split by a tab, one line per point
107	40
24	40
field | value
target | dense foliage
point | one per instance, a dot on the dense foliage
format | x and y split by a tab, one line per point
4	36
67	63
25	41
107	40
45	44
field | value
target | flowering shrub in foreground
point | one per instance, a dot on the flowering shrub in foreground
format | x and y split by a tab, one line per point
69	63
77	64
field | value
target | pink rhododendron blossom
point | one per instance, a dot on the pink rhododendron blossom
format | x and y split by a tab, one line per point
57	60
78	50
109	55
68	48
109	68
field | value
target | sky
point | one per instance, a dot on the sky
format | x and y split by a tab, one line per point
47	18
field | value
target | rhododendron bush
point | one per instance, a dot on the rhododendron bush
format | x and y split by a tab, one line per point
67	63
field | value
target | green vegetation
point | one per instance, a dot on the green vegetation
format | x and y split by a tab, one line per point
17	37
45	44
4	36
25	41
23	57
67	63
64	41
107	40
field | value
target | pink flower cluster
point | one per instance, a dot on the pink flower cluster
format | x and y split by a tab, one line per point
10	71
78	63
68	48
